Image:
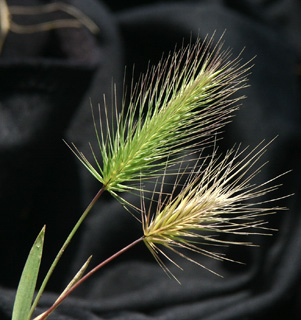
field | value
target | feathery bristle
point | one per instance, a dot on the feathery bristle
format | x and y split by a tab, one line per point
175	107
214	200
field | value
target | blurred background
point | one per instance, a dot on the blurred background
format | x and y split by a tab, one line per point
48	80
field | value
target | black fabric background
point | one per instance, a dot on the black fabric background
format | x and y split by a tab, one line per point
46	83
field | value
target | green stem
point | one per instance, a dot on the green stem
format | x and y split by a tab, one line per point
89	274
63	248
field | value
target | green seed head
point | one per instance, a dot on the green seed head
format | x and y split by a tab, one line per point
176	106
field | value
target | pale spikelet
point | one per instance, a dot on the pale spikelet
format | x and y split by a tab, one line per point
216	199
177	104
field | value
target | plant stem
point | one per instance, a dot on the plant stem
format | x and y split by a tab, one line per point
89	274
63	248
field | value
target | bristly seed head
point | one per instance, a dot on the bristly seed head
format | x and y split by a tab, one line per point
176	106
214	200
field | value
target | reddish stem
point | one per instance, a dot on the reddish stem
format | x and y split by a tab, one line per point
90	273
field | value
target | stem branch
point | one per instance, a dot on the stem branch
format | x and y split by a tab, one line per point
89	274
63	248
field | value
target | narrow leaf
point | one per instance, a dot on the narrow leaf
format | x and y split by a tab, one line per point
64	294
28	279
76	278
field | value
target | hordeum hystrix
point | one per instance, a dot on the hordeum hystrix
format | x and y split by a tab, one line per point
218	197
176	106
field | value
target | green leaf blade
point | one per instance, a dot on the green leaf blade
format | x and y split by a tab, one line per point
28	280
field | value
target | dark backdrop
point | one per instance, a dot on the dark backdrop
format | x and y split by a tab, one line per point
47	81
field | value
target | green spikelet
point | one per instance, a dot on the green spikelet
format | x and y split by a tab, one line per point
180	102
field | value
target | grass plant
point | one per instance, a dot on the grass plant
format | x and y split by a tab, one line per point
218	198
175	109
